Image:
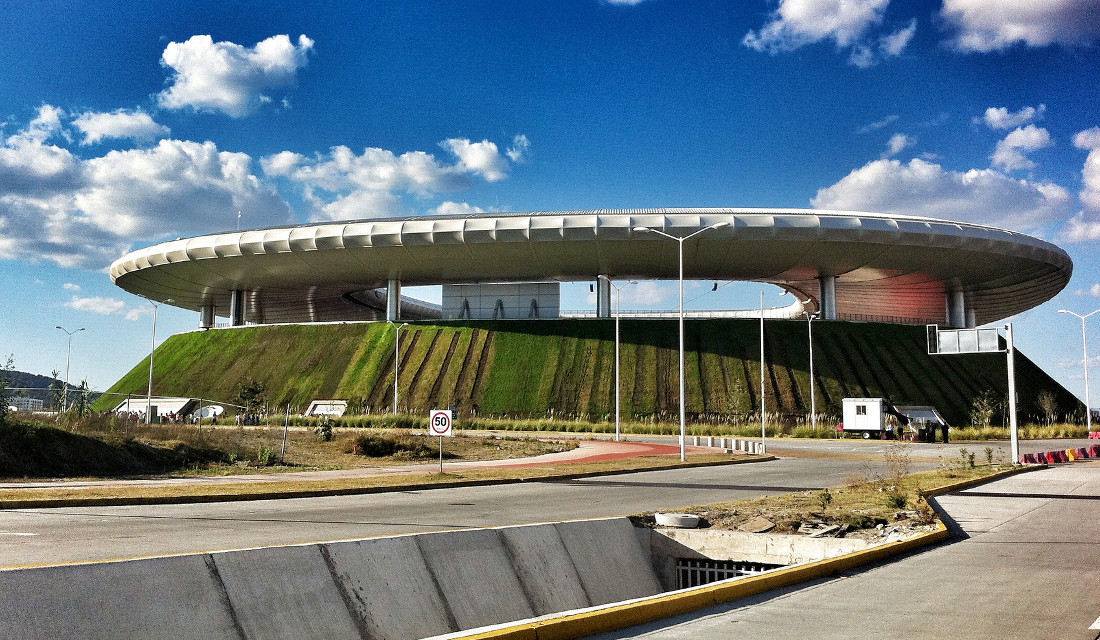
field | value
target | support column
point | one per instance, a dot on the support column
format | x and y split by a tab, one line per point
827	288
393	300
956	308
206	314
603	297
236	308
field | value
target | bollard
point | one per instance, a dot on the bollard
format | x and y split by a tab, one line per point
710	441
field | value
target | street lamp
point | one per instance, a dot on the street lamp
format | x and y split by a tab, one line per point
152	350
618	295
683	394
68	352
396	363
813	400
1085	348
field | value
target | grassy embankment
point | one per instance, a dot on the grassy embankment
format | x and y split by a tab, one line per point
564	370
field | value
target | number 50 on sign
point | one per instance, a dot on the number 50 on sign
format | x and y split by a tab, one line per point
439	423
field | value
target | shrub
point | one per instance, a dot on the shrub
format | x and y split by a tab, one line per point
398	445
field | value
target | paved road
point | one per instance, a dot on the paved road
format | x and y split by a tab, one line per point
1025	564
43	536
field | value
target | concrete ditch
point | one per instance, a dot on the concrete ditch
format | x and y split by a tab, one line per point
395	588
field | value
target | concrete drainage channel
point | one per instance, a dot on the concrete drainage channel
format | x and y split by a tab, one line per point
555	580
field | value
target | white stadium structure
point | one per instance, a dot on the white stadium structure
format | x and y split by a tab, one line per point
844	265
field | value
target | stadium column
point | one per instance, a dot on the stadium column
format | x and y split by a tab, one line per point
956	308
828	296
603	296
206	314
236	308
393	300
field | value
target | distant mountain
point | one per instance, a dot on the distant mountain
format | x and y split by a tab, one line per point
31	385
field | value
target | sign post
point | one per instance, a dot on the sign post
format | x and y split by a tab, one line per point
440	424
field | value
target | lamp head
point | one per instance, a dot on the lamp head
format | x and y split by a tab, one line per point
719	225
641	229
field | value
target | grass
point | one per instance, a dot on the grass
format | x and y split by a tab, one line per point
564	369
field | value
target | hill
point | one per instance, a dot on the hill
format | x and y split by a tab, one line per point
565	368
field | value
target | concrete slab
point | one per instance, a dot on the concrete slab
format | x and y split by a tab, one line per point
155	598
389	588
611	562
285	592
475	576
543	567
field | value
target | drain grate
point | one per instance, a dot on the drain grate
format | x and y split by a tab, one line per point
691	572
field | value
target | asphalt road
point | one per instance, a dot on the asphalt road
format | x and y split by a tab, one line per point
48	536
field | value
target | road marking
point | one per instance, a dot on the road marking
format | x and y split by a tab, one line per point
16	533
1095	625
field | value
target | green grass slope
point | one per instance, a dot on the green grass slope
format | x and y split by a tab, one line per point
566	369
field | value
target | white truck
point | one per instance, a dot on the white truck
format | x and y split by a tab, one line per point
867	417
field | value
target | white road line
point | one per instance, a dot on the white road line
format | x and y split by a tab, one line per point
1095	625
16	533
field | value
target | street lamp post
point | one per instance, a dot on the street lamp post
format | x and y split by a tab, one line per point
813	400
618	295
683	394
763	405
396	363
1085	348
68	353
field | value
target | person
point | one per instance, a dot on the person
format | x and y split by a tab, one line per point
943	430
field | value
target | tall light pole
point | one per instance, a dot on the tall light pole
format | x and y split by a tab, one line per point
813	400
68	353
152	350
683	394
763	405
396	362
618	294
1085	348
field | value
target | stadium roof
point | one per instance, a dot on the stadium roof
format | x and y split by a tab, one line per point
884	266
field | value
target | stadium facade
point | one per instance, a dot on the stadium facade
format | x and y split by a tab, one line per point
843	265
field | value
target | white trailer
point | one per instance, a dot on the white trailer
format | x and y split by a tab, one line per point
865	416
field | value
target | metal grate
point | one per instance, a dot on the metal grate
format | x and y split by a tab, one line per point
691	572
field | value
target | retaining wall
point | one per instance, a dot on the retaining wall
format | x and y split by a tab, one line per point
381	588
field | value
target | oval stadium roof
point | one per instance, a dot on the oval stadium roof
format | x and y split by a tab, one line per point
885	266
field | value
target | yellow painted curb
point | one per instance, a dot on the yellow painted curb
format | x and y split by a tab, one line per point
620	616
966	484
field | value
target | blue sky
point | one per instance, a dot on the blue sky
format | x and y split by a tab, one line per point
129	123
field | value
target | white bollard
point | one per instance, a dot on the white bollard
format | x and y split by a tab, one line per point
710	441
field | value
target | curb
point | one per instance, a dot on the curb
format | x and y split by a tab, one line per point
108	501
966	484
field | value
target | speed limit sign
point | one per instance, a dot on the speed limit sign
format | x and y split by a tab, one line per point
439	422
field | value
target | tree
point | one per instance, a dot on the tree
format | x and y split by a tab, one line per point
82	406
57	391
1049	405
251	395
5	388
982	408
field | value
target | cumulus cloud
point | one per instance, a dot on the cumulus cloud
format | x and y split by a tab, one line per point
448	208
86	213
1002	118
102	306
1086	224
1009	153
342	185
797	23
229	78
1093	291
988	25
922	188
121	123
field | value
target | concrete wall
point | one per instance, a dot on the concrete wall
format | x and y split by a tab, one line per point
383	588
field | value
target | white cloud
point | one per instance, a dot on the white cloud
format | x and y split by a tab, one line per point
121	123
341	185
797	23
994	25
922	188
478	157
69	286
898	143
86	213
625	3
1093	291
1002	118
874	126
228	78
449	208
649	293
1009	153
1086	224
102	306
520	149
